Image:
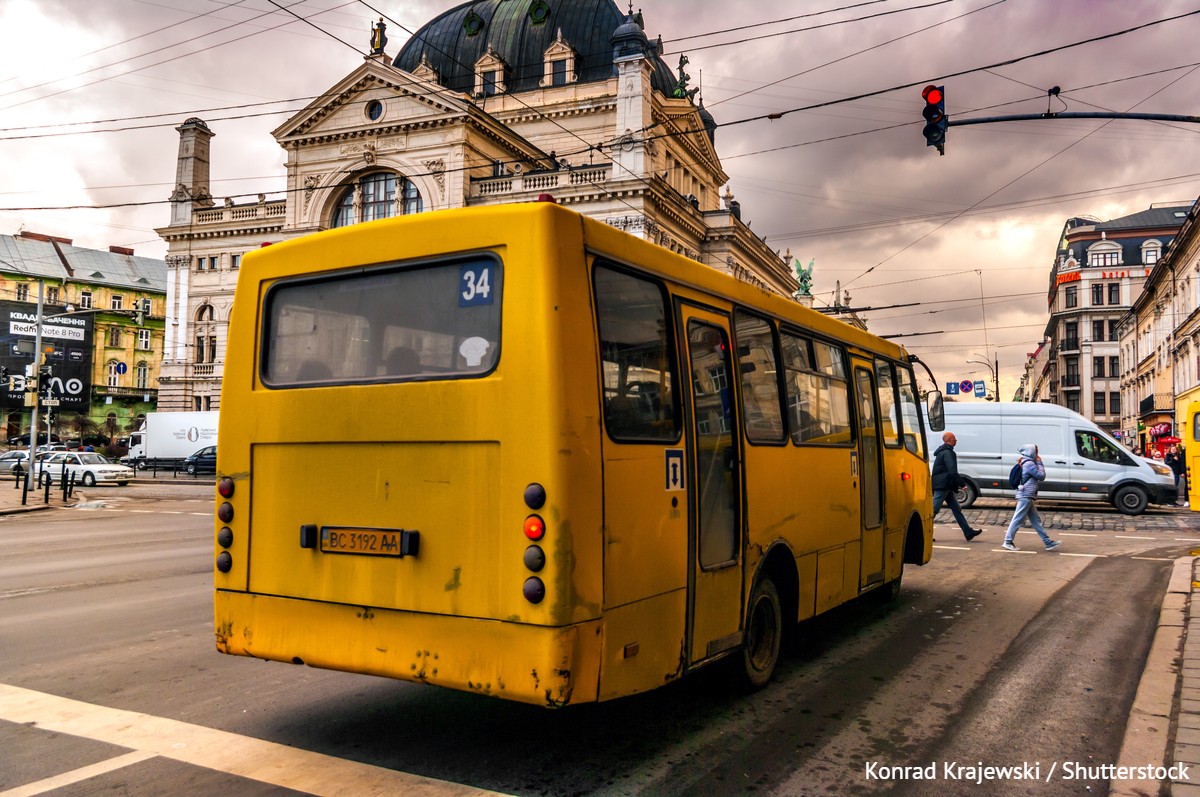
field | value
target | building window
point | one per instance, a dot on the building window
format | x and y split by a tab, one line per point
212	263
1072	296
1114	366
1151	251
85	300
1114	294
205	313
235	262
1112	331
23	296
143	338
117	302
1114	403
52	295
142	375
212	348
1097	295
1097	330
113	377
1098	366
1073	401
1104	258
558	73
1098	404
199	349
376	199
490	71
114	336
200	261
146	305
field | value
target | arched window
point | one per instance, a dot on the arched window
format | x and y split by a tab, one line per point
379	195
205	313
114	376
142	375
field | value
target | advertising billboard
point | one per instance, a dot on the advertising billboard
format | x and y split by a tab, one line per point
67	348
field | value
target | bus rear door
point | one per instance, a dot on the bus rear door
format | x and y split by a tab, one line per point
715	540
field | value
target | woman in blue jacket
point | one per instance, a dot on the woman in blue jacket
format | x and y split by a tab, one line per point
1032	473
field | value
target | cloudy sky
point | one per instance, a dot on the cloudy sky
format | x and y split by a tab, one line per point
969	236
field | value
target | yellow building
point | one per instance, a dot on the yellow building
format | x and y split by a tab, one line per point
102	334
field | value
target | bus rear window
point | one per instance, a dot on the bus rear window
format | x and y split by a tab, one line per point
384	325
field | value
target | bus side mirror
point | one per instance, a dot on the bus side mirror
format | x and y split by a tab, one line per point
937	413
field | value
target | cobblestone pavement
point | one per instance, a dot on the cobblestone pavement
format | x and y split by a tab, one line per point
995	513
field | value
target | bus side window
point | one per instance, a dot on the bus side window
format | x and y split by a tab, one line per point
637	367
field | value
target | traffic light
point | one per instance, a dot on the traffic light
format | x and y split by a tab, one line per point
935	117
139	317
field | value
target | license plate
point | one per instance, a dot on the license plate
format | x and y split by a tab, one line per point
371	542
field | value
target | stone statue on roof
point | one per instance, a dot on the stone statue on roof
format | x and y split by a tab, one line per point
803	277
378	38
681	90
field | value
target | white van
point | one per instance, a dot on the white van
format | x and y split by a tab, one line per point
1082	461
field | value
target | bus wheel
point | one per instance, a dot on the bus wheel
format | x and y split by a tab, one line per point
764	634
891	590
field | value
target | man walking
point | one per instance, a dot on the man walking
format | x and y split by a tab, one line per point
945	482
1032	473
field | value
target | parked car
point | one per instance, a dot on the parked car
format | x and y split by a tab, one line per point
202	461
10	459
23	439
89	468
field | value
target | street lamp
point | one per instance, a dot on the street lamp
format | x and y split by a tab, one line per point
994	369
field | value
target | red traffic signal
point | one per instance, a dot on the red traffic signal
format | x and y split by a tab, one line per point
935	117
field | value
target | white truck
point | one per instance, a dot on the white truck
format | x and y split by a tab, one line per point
167	437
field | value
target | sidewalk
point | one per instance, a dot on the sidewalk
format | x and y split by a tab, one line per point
35	501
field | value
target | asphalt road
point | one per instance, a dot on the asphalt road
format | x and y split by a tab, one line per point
988	657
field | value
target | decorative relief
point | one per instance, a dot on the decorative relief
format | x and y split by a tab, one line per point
637	224
311	181
437	169
384	144
178	261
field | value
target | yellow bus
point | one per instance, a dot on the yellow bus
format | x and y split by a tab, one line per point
514	451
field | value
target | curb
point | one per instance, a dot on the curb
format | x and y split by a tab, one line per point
1148	732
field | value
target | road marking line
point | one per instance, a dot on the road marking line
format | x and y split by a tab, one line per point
1187	539
222	751
953	547
1077	534
1089	555
1130	537
1005	550
78	775
1140	558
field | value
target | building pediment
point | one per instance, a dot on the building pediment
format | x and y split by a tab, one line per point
376	97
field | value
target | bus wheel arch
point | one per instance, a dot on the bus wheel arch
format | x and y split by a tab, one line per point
914	543
770	614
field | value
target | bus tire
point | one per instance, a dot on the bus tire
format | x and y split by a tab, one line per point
764	635
1131	500
891	590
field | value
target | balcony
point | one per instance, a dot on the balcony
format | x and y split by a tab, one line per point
1069	344
243	213
517	184
1158	403
1070	380
123	392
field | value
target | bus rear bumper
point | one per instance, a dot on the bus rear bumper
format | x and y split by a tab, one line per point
510	660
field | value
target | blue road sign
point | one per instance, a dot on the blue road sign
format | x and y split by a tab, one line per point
952	388
980	389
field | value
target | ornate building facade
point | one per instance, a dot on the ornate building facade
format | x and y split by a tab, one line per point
493	101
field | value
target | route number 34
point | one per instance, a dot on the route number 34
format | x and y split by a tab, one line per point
475	284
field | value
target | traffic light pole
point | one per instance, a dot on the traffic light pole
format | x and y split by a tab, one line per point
1033	117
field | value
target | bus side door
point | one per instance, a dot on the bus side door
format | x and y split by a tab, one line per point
715	546
870	477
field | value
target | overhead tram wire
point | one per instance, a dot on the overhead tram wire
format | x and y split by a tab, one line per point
166	60
778	114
